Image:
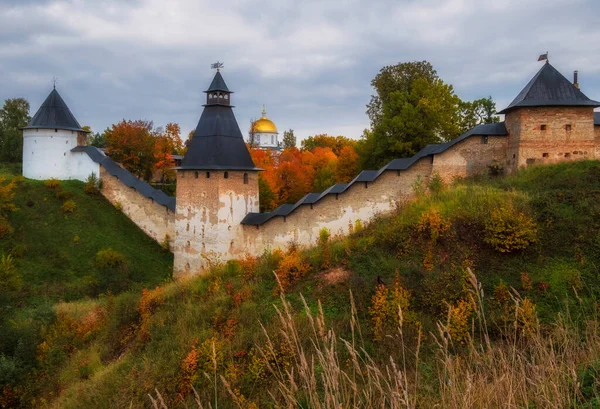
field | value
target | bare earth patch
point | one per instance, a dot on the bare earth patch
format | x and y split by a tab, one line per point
335	275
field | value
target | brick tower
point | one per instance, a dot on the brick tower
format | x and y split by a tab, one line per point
550	121
217	186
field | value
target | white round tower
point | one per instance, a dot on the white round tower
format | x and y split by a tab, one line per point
47	142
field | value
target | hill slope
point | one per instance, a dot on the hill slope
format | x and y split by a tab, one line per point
448	261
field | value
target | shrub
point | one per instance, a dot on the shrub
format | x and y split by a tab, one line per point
526	283
9	278
149	302
389	309
418	187
109	259
118	206
292	267
5	227
63	194
508	230
459	321
69	206
92	185
248	266
52	183
166	243
325	247
18	250
495	169
436	184
433	226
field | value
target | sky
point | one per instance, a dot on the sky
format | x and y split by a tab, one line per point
310	62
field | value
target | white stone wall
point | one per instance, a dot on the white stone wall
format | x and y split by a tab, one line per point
267	140
47	154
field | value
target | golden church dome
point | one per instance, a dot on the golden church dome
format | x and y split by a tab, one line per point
264	124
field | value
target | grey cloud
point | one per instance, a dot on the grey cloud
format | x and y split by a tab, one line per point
310	62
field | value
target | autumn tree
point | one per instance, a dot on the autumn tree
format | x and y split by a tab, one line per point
347	165
13	116
289	139
132	143
167	144
320	165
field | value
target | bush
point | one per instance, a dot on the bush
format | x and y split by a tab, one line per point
92	185
166	243
508	230
9	278
63	194
5	227
69	206
52	183
436	184
109	259
325	246
292	267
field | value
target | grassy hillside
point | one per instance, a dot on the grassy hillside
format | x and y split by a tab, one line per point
479	294
53	258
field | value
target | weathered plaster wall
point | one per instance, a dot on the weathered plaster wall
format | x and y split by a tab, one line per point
530	144
154	219
209	213
597	140
470	157
362	202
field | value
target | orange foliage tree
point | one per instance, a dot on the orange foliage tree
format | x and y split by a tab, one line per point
167	144
131	143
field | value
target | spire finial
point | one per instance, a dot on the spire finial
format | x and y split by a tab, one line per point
54	80
218	65
264	111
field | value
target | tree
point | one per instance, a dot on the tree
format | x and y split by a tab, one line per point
412	108
98	140
14	115
289	139
336	143
167	144
252	134
132	143
480	111
347	165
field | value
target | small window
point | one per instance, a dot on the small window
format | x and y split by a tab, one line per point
484	139
182	175
366	185
56	130
207	175
545	155
514	155
568	127
245	178
567	155
543	127
226	96
226	175
196	175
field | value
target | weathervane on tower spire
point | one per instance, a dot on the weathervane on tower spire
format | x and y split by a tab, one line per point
218	65
54	80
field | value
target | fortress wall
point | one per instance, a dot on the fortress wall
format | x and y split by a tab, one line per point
597	140
556	143
359	202
470	157
154	219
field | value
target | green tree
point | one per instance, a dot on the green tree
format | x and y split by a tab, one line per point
13	116
480	111
289	139
336	143
428	112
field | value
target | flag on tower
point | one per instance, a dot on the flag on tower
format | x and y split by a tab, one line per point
543	57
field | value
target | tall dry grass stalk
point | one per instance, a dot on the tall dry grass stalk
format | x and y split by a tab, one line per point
534	369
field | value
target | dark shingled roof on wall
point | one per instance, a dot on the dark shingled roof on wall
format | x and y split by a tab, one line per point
256	219
217	143
550	88
126	177
54	114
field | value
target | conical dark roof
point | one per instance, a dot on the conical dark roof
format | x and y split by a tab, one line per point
218	84
217	143
54	114
550	88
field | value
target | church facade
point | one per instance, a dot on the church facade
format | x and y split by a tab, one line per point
263	133
215	215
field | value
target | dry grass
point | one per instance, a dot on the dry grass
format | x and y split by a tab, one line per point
528	368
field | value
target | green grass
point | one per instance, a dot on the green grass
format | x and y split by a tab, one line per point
115	366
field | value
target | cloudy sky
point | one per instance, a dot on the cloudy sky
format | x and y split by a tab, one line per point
310	62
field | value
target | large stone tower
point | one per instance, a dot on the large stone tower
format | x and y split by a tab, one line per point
550	121
217	186
47	142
